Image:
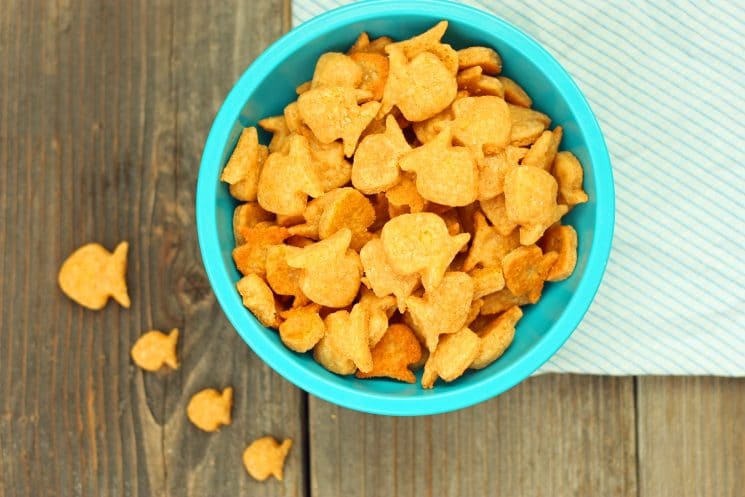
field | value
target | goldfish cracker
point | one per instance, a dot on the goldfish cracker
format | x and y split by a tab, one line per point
292	120
420	243
244	164
514	94
468	78
378	45
445	174
347	209
259	299
427	130
483	57
287	180
496	213
475	83
360	44
481	121
379	310
250	257
347	334
209	409
429	41
532	233
280	132
248	215
404	197
312	216
331	272
492	170
302	328
334	113
530	201
520	114
526	268
543	152
568	173
154	349
561	239
442	310
526	133
374	68
489	246
336	70
420	88
475	310
91	275
487	85
328	161
328	356
285	221
496	337
245	189
302	88
265	457
486	280
375	167
394	353
500	301
283	279
453	355
380	276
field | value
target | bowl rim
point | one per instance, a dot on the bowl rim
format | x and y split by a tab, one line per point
443	400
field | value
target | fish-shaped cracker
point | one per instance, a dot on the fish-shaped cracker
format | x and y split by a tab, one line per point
92	274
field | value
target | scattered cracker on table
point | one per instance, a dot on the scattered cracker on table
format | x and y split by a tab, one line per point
154	349
265	457
409	202
209	409
92	274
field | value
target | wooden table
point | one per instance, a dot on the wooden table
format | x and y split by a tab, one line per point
104	109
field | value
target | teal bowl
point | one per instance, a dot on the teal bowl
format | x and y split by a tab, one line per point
269	84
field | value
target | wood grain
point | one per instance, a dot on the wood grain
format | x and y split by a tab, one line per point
104	108
553	435
691	436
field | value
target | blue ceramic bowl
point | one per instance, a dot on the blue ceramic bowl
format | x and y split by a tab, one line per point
269	84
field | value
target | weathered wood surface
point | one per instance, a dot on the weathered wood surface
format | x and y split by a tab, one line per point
553	435
691	436
104	108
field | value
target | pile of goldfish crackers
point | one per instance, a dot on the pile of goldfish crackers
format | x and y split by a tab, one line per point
408	204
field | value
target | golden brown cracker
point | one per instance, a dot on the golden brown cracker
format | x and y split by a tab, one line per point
91	275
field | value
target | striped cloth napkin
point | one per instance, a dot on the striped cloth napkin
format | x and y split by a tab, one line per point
666	79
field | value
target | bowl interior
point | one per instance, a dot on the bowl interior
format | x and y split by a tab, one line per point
544	327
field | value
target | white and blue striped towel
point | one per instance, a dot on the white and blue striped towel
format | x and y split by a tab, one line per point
666	80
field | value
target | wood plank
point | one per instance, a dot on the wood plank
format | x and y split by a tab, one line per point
553	435
211	48
104	108
691	436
